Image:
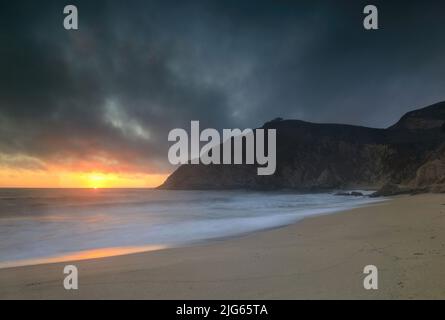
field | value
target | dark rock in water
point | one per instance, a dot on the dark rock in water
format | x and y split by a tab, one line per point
404	158
353	193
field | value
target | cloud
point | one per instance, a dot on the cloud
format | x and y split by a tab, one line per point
107	94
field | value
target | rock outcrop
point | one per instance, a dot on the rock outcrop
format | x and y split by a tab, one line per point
431	174
409	156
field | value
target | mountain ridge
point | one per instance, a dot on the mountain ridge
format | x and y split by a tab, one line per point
408	156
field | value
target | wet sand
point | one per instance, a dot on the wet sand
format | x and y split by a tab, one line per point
318	258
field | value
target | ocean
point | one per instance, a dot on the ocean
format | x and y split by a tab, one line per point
51	225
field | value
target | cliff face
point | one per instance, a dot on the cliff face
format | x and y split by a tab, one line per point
310	156
431	174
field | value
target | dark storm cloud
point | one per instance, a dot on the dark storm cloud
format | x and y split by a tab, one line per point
134	70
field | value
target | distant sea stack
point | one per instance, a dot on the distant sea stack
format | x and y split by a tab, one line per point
404	158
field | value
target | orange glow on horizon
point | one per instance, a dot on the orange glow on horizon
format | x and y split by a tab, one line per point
22	178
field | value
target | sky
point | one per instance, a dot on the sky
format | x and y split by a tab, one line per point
93	107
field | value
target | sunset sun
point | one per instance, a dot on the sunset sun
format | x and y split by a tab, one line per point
99	180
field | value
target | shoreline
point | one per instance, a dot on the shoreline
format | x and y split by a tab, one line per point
317	257
107	252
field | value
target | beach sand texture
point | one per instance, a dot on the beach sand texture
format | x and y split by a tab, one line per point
318	258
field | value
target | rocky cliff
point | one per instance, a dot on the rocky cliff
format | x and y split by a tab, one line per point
408	156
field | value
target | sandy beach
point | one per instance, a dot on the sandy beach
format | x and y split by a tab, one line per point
318	258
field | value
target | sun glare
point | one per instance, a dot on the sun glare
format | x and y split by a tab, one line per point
100	180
